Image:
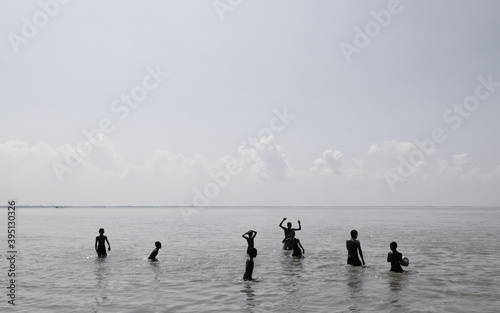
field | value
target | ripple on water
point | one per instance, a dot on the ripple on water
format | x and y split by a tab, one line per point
448	270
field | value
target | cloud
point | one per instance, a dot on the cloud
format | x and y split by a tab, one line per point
102	177
19	159
459	168
265	159
491	176
391	146
329	163
105	178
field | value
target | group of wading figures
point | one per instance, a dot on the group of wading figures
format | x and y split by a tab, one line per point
289	243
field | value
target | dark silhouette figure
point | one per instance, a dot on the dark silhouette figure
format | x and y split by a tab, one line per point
288	233
249	236
353	246
296	246
297	249
395	258
100	244
252	253
154	253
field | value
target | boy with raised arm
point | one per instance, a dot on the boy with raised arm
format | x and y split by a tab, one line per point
249	236
288	232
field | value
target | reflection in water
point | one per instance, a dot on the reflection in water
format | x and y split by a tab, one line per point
101	271
156	268
397	284
292	272
355	281
397	281
250	299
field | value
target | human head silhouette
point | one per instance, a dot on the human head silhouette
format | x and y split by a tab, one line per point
393	246
252	252
354	234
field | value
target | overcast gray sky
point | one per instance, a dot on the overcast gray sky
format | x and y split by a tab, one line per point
233	102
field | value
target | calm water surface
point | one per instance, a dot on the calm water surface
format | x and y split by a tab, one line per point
453	256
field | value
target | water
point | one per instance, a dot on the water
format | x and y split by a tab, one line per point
453	256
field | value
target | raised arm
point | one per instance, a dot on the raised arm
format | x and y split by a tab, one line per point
300	226
254	233
281	224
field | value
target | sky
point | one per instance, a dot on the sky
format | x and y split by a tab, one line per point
243	103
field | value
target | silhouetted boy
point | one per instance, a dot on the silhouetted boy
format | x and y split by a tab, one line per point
297	249
288	232
295	245
252	253
100	244
395	258
249	236
153	254
353	245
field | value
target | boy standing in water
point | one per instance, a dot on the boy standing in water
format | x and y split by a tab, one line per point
297	249
295	245
395	258
250	235
288	232
252	253
353	246
100	244
153	254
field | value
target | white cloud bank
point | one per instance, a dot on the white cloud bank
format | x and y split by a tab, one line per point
328	163
258	174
